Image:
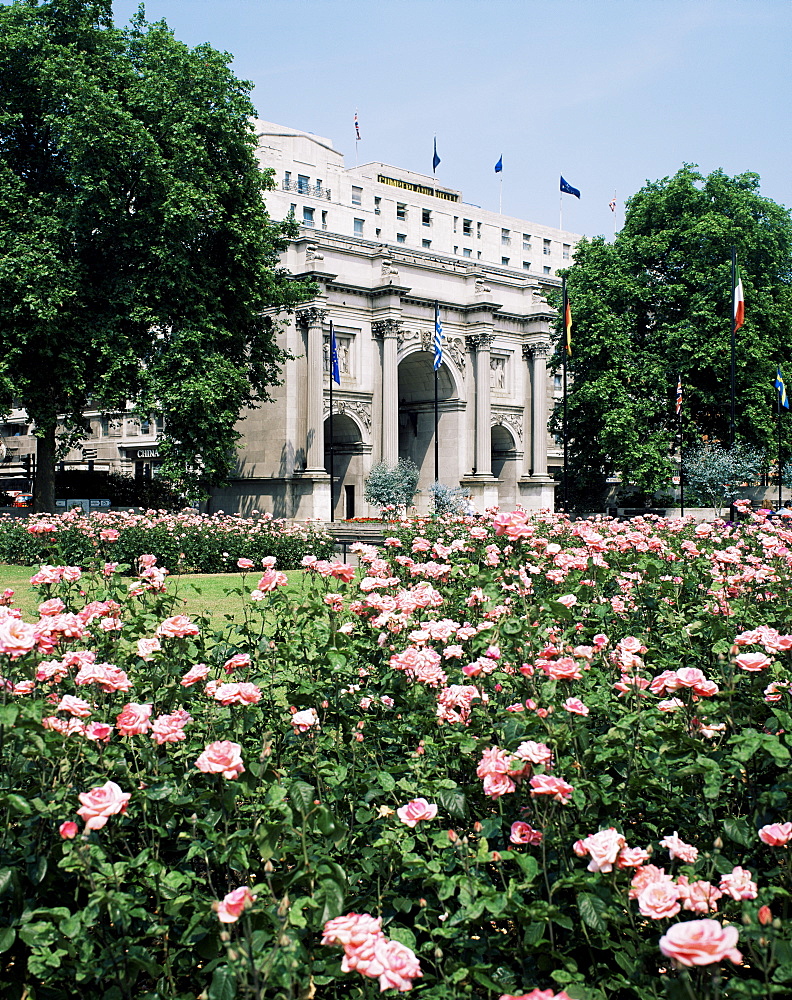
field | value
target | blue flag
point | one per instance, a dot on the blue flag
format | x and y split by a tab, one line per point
438	338
499	165
782	393
435	158
566	188
334	374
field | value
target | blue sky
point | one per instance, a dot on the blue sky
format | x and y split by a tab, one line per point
608	93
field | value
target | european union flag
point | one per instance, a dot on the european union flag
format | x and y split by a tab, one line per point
334	373
435	158
782	393
566	188
499	165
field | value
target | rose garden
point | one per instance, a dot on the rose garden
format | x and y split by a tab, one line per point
506	756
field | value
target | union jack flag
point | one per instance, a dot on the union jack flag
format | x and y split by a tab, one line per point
357	129
612	204
679	396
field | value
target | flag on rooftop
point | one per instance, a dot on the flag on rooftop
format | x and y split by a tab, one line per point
781	387
438	338
499	165
357	129
612	204
435	158
739	300
566	188
679	396
334	373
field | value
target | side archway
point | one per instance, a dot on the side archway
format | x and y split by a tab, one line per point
349	464
505	465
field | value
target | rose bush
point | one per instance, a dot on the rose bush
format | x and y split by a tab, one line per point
386	781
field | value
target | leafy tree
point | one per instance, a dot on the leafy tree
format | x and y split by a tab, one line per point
392	487
137	260
657	303
714	476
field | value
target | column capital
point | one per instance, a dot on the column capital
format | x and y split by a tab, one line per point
312	316
386	328
479	341
537	349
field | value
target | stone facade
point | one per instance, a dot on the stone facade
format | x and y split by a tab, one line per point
382	246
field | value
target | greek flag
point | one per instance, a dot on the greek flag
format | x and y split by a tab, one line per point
438	338
334	373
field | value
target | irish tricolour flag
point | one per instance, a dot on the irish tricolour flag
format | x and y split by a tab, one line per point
739	300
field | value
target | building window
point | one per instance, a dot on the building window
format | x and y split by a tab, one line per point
146	426
526	265
426	217
303	183
357	195
467	252
377	204
478	230
456	221
378	232
401	211
467	227
324	220
287	179
318	187
546	248
504	261
478	255
506	237
526	241
557	386
545	270
401	237
358	227
426	244
292	209
566	249
308	216
456	250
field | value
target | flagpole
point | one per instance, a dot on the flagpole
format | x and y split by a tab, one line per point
732	418
561	210
436	410
330	425
681	463
564	353
778	393
500	196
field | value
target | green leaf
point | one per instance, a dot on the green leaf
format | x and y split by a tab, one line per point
403	935
592	909
452	800
330	895
223	985
386	781
17	804
7	938
302	796
740	832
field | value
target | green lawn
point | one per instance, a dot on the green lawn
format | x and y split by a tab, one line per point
200	591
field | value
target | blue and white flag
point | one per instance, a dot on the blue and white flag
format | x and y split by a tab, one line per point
566	188
438	338
334	373
435	158
499	165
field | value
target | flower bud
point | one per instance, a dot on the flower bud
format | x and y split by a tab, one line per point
718	844
765	915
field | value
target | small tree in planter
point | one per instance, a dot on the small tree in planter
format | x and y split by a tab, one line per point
714	476
454	500
392	487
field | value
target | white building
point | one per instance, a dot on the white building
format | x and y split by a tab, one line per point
382	245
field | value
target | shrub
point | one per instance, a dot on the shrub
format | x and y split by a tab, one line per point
453	500
392	487
714	476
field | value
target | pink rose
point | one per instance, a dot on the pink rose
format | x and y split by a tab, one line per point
245	564
68	830
101	803
98	732
547	784
74	706
134	719
194	674
399	965
415	811
147	647
776	834
738	884
170	728
16	637
222	757
177	627
303	721
237	694
231	907
677	848
524	833
604	848
576	706
238	661
701	942
659	900
752	662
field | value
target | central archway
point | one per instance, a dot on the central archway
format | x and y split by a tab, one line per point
417	422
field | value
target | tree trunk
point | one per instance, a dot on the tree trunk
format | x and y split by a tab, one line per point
44	485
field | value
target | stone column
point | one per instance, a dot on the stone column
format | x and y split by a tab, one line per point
539	352
388	331
312	319
482	343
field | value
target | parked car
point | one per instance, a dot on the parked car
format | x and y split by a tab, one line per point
23	500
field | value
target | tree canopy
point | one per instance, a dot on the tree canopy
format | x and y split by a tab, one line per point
656	304
137	259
